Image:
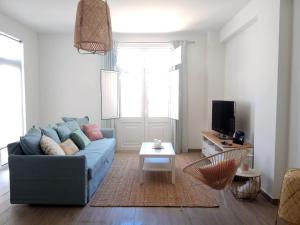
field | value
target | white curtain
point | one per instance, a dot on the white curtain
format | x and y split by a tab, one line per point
110	63
180	126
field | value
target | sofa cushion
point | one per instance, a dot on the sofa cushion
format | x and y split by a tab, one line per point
92	131
72	125
51	133
63	132
30	143
97	153
80	121
69	147
50	147
80	139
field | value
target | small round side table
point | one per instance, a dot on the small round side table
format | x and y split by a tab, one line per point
246	184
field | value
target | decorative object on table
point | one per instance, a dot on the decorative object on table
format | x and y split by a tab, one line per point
217	171
246	184
238	137
93	27
157	144
289	208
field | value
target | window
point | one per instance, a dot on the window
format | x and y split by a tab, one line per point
11	93
145	80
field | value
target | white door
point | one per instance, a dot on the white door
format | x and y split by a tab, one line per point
144	96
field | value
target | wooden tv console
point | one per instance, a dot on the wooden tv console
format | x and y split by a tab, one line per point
212	144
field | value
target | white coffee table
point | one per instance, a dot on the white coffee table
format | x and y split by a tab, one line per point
157	159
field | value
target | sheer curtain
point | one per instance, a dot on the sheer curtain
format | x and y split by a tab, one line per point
11	93
180	126
110	63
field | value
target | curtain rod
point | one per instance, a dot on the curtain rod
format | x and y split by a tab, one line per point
151	42
10	37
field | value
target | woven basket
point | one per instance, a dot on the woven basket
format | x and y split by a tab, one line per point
289	208
245	187
93	27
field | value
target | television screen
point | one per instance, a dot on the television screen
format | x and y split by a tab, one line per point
223	117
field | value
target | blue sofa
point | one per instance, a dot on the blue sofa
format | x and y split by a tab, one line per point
60	180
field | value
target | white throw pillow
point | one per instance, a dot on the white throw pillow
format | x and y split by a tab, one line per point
50	147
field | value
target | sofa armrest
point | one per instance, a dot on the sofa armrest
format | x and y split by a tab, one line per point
14	149
42	179
108	132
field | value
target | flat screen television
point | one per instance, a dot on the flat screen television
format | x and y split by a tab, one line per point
223	117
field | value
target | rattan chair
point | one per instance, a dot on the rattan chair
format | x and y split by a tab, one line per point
289	207
217	171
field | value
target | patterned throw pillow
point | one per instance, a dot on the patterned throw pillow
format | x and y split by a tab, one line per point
50	147
69	147
92	131
80	139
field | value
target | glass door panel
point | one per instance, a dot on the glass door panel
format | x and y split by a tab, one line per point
132	94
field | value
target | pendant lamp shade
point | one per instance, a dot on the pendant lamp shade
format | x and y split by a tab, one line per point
93	27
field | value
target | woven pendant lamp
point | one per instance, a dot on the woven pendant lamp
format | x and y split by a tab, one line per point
93	27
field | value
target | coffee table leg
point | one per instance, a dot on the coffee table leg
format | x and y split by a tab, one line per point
173	170
141	162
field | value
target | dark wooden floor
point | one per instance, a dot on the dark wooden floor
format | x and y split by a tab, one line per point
231	212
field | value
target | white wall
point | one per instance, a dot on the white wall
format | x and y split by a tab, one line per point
215	57
69	82
31	66
254	78
241	76
283	91
294	132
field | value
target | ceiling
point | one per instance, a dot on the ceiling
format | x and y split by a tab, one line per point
128	16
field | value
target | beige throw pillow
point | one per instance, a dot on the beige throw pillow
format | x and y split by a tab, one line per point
50	147
69	147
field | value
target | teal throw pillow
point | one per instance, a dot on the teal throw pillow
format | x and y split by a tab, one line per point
51	133
30	142
63	132
80	139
